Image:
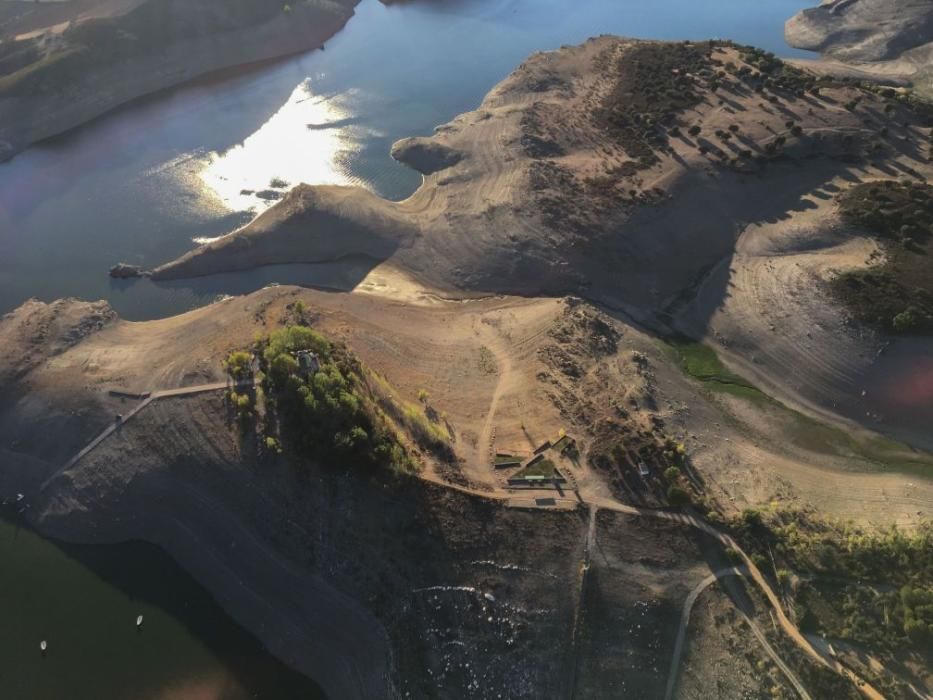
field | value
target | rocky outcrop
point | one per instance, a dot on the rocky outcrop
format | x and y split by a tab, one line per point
126	271
424	155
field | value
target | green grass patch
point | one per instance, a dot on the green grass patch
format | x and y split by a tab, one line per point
703	364
543	468
504	460
563	443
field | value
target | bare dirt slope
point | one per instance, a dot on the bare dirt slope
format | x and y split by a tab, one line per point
885	37
564	180
723	657
776	322
408	578
371	586
639	577
500	374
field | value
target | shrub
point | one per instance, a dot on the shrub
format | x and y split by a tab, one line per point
694	130
677	496
916	631
906	321
672	475
238	365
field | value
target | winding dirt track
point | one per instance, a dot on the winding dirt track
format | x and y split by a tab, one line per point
755	573
756	630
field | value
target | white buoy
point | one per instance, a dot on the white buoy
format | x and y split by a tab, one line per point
43	645
139	621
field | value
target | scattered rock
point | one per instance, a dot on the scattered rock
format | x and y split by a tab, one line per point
126	270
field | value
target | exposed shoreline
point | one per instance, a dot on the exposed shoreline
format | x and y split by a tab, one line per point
516	200
289	608
26	120
479	222
869	39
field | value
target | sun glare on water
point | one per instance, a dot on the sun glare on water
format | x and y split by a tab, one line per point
308	140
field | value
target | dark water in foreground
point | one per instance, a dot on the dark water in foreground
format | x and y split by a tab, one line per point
84	600
141	184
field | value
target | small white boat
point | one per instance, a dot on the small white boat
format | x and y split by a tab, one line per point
43	646
139	621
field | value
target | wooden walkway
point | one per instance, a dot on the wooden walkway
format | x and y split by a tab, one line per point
117	424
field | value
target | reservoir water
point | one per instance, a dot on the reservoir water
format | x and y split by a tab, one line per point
84	602
145	183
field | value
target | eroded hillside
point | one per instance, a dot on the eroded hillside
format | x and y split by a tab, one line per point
691	186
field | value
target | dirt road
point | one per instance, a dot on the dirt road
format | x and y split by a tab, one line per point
756	630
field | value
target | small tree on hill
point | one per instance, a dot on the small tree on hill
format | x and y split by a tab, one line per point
239	365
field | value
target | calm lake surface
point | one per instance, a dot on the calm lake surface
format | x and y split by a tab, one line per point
145	183
84	602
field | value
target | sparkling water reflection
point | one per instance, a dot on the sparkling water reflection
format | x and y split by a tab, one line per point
145	183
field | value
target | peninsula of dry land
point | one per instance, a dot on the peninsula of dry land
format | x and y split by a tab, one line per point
601	397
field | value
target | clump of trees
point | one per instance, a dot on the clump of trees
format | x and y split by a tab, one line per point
873	587
328	414
897	294
678	491
655	83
